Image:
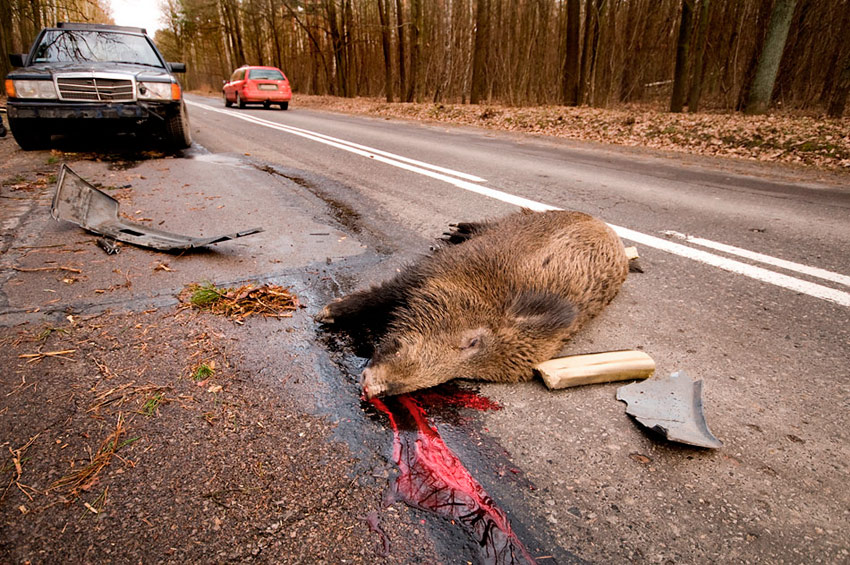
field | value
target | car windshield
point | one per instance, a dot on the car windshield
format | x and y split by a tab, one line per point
67	46
268	74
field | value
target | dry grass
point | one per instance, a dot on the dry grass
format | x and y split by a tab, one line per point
36	357
115	397
85	477
18	459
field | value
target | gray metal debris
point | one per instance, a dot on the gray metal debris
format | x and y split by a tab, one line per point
671	406
77	201
108	245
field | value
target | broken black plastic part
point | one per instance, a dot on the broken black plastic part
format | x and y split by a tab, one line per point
78	201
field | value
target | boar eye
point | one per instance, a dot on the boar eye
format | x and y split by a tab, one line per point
471	342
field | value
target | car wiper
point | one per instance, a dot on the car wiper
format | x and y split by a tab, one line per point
137	63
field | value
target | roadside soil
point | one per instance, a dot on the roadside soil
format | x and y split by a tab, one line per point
117	446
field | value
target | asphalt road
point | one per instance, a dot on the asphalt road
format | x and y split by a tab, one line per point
751	294
746	285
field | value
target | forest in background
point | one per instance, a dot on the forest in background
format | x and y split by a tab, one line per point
21	20
678	54
600	53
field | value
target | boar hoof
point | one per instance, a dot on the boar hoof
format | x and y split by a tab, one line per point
326	316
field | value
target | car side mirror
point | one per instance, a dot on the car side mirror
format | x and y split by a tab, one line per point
17	59
177	67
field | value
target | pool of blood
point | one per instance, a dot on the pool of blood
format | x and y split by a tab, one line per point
433	478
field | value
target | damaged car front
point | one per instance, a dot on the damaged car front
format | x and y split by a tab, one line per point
80	77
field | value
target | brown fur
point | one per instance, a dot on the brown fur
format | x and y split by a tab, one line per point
505	297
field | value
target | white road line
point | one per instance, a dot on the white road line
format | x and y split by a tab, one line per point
758	273
336	142
760	257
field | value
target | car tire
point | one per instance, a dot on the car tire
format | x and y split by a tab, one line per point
27	136
177	131
240	101
284	105
227	101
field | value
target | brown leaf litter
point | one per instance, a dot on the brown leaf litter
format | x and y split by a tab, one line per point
268	300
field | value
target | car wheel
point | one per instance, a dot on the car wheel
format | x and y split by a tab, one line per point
29	136
177	132
227	101
240	101
284	105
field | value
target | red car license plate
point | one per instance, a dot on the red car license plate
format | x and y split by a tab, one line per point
268	87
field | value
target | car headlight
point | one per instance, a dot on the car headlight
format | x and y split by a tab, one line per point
154	91
43	89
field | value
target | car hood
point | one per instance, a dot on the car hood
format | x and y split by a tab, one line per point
43	70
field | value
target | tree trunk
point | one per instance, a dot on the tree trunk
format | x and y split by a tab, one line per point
479	54
570	79
402	50
275	33
340	86
698	74
632	82
771	55
683	46
6	46
383	14
588	52
414	87
760	27
585	50
838	101
839	54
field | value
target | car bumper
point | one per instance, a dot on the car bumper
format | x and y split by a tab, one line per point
266	96
60	112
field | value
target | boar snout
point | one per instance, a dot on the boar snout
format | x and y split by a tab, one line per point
371	383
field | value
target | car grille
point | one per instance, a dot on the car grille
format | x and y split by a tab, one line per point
96	89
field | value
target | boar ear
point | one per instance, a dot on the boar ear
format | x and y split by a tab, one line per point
536	310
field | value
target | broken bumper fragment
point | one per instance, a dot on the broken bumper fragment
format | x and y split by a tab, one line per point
77	201
67	117
671	406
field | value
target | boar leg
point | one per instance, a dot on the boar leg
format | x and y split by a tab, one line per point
370	307
463	231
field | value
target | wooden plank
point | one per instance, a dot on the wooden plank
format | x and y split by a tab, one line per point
576	370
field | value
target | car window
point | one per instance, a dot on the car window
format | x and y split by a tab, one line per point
66	46
267	74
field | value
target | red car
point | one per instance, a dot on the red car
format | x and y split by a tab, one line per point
257	85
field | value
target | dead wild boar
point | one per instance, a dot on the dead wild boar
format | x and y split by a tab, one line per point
499	297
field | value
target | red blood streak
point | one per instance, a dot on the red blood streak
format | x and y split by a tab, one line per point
433	478
456	397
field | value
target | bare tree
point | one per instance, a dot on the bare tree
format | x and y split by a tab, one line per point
701	41
680	77
386	45
771	55
519	52
479	60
